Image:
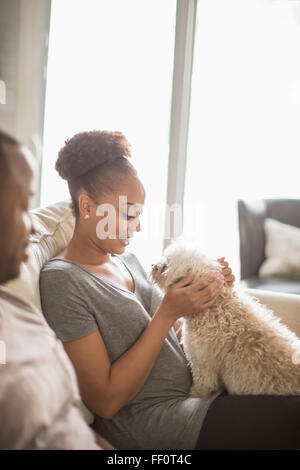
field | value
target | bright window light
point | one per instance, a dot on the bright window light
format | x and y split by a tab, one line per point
244	139
110	68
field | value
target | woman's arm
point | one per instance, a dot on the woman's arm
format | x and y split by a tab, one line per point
106	387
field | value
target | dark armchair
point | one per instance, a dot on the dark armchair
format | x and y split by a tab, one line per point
251	215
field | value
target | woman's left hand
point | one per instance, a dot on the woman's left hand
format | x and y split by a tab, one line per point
227	272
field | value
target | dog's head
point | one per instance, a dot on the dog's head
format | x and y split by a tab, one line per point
178	261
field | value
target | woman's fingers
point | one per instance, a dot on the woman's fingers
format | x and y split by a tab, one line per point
229	277
209	294
227	271
209	303
187	299
213	289
206	281
185	281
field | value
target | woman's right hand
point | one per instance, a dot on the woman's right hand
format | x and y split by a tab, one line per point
184	298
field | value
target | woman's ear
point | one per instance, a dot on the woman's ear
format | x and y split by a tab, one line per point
84	205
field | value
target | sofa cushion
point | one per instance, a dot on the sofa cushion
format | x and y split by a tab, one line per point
273	283
54	228
285	306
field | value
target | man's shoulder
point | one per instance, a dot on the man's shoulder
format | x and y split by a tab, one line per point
9	297
17	310
23	328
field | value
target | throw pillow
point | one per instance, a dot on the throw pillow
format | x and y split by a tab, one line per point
282	250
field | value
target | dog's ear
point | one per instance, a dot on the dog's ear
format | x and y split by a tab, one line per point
164	269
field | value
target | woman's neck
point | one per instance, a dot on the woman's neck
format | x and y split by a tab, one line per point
83	250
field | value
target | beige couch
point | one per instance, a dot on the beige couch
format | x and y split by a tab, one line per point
55	226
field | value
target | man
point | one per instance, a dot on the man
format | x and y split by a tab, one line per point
38	386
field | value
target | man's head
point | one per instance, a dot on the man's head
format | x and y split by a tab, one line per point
16	178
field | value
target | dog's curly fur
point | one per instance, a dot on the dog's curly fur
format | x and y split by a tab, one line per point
238	343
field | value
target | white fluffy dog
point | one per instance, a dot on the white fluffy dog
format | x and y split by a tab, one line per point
237	344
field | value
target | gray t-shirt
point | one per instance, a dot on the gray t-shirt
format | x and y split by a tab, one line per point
77	302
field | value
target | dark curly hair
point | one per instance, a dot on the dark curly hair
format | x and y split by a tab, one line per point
94	161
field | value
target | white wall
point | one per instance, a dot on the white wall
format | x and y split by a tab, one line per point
24	26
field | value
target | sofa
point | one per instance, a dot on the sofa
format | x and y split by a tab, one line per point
54	228
269	232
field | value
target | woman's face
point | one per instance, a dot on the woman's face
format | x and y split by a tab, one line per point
114	218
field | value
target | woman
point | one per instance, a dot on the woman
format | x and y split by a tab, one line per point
117	329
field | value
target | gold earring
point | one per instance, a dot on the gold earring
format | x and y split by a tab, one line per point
87	216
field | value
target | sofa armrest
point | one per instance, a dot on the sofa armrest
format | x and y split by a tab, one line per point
285	306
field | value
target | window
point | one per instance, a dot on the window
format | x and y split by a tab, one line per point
245	113
110	67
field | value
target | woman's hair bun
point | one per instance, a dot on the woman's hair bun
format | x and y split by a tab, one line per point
87	150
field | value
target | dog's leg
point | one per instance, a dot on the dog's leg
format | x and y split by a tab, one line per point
204	366
204	370
205	382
